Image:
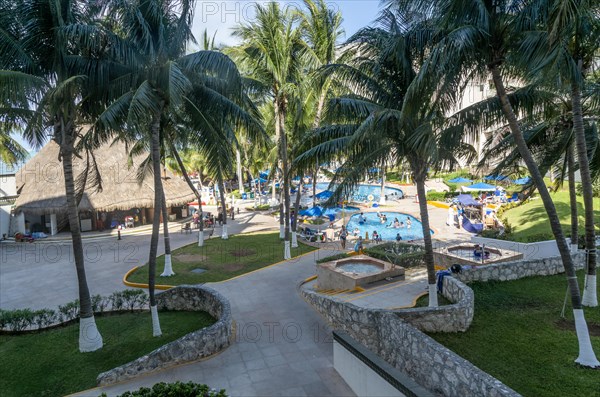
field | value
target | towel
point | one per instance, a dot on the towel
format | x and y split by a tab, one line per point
440	279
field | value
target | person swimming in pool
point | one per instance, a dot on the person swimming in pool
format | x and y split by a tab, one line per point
408	223
362	218
396	223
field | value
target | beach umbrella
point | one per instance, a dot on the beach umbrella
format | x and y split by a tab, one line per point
260	180
467	199
479	187
522	181
314	211
460	180
325	194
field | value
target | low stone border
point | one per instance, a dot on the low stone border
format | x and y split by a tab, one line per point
519	269
191	347
397	338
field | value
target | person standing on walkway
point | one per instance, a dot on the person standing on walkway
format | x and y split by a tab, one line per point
343	235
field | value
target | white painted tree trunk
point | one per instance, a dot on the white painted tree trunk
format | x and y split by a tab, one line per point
273	195
89	337
287	253
155	322
168	267
433	298
239	171
574	248
224	234
382	198
590	294
281	231
587	358
200	238
294	240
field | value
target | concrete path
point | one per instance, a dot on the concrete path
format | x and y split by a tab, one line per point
42	274
282	347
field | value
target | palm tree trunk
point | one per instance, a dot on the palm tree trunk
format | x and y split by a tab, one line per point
224	234
590	297
196	193
158	196
573	199
382	198
286	182
168	270
89	336
238	160
420	173
281	211
296	211
586	356
314	185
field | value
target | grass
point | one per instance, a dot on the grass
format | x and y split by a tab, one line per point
222	259
49	363
518	337
530	219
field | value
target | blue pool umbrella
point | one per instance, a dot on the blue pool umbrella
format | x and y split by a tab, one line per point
261	180
314	211
467	199
325	194
499	178
460	180
523	181
296	178
479	187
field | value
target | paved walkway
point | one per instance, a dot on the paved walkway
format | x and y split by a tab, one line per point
282	348
42	274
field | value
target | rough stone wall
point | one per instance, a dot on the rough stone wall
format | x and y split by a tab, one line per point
390	335
191	347
456	317
519	269
430	364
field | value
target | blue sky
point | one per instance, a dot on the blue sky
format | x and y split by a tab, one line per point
222	16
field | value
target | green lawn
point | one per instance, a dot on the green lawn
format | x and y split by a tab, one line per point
49	363
530	219
518	337
222	259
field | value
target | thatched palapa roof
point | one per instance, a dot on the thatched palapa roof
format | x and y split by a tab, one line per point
42	188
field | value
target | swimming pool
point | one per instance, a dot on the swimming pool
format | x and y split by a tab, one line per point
386	230
363	191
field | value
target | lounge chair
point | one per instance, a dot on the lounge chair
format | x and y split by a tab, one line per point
514	198
186	227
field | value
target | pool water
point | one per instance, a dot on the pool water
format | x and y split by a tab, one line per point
362	192
386	231
360	267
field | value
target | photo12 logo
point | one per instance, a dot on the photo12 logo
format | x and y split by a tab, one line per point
235	12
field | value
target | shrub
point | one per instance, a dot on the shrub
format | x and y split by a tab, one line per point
44	317
69	311
400	254
534	238
99	303
236	194
18	320
179	389
134	299
262	207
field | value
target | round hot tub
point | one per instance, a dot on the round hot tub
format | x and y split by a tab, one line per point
360	267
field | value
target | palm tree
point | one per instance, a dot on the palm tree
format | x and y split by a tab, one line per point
378	122
41	86
565	44
479	40
11	151
270	51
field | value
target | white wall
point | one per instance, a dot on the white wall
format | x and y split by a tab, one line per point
539	250
362	380
8	188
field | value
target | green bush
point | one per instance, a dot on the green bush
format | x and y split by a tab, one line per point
332	258
23	319
400	254
236	194
178	389
432	195
534	238
263	207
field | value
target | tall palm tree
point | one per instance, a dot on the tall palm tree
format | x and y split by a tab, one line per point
479	42
377	122
42	84
270	52
565	44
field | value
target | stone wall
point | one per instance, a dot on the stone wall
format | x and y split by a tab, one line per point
519	269
430	364
456	317
393	335
191	347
